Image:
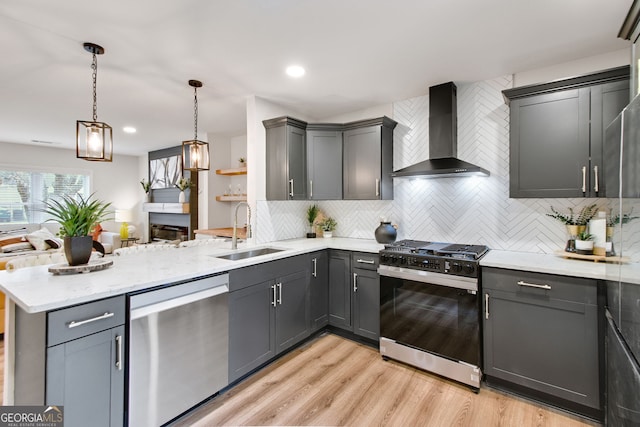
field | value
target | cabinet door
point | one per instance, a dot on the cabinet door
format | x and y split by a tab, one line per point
82	375
296	163
548	345
549	145
340	289
324	164
607	101
292	310
362	163
286	160
319	290
251	328
366	307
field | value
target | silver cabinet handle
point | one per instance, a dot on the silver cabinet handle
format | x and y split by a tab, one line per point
486	306
75	324
119	352
355	282
291	187
584	179
366	261
315	267
311	189
273	296
377	187
279	293
533	285
596	187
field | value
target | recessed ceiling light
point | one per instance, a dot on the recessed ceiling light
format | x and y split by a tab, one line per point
295	71
129	129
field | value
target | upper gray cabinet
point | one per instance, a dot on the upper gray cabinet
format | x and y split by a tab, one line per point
324	162
286	166
329	161
368	159
557	133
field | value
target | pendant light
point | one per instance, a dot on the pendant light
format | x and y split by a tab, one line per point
94	139
195	154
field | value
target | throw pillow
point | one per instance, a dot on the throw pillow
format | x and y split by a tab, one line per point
8	240
17	247
96	232
40	239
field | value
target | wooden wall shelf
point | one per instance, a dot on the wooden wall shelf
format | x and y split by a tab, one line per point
242	198
232	171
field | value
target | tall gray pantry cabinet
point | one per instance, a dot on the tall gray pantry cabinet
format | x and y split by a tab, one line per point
557	134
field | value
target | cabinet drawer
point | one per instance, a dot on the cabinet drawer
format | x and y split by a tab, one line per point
75	322
540	285
364	260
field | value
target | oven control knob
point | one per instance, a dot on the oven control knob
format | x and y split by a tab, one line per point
403	260
469	268
456	267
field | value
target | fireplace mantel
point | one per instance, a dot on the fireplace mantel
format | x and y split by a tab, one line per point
179	208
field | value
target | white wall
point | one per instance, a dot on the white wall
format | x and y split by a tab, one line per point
117	182
367	113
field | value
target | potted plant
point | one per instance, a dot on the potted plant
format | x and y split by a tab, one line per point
612	221
77	217
312	214
182	184
243	162
146	186
575	225
584	243
328	225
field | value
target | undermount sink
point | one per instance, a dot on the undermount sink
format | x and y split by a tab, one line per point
250	253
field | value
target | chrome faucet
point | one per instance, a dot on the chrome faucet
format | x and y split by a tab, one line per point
234	239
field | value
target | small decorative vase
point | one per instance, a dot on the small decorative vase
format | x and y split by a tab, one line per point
386	233
327	234
181	197
312	232
584	247
147	197
77	249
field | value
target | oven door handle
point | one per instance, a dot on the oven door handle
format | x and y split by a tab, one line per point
428	277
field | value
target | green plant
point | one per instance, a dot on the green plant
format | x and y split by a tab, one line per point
76	216
312	213
146	185
183	183
583	235
242	160
586	213
617	219
328	224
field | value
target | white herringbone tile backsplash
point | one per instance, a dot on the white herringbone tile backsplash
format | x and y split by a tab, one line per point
462	210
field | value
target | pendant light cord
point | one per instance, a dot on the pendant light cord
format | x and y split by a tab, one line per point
94	75
195	113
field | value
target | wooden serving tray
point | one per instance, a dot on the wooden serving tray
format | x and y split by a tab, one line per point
93	265
594	258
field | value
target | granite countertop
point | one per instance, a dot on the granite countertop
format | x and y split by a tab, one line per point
223	232
35	290
554	264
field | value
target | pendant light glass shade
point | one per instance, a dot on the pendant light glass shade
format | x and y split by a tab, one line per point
94	139
195	153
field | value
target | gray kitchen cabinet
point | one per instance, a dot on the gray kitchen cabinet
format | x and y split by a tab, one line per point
340	289
319	289
268	312
557	134
85	362
368	159
286	159
324	162
541	337
366	292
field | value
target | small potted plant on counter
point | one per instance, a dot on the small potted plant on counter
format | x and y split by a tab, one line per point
584	243
328	225
612	221
575	225
182	185
312	214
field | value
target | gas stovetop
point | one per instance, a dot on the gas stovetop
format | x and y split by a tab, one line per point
447	258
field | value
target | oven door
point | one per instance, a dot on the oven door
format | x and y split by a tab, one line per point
432	312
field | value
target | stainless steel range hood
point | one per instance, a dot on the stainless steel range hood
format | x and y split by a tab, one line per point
443	140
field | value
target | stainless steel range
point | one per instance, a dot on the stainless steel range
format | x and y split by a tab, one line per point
430	307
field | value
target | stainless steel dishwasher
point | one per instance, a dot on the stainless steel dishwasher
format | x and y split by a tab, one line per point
178	348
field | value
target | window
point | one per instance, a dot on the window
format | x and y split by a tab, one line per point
23	192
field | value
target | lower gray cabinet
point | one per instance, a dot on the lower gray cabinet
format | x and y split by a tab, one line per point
319	289
268	312
541	337
340	289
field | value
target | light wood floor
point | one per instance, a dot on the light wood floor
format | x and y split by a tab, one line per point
332	381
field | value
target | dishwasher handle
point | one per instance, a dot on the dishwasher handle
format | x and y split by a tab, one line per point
158	307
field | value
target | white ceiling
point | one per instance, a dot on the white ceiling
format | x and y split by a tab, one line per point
358	53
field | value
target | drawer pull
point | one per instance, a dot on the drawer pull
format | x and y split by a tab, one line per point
533	285
486	306
75	324
355	282
366	261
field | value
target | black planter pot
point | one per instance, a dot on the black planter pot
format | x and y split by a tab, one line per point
78	249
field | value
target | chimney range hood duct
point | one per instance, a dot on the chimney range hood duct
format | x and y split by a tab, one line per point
443	140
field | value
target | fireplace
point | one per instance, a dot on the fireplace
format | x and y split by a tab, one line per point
162	232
